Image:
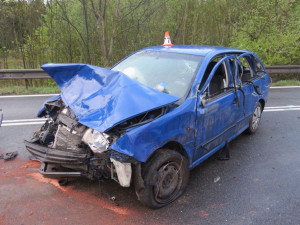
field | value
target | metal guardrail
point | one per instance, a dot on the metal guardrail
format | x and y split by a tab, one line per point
291	69
13	74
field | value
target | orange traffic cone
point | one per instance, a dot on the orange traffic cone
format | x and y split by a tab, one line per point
167	40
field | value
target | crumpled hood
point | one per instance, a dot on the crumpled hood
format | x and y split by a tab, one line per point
102	98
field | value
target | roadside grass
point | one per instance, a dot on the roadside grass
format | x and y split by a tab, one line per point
21	90
286	83
36	86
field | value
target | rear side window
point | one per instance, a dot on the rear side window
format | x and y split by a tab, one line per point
259	69
245	70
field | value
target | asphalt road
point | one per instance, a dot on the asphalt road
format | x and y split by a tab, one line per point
260	184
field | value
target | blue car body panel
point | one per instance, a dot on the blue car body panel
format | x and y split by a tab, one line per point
186	124
103	98
177	125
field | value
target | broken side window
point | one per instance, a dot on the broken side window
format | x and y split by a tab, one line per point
220	79
245	70
259	69
221	71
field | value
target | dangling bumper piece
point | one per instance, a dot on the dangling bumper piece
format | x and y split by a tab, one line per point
50	155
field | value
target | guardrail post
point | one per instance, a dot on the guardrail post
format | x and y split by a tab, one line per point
26	83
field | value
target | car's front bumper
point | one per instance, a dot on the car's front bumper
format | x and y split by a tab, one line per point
50	155
100	167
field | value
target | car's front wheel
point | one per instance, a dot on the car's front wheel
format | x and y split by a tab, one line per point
255	119
165	177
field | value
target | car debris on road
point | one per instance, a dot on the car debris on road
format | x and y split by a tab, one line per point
8	155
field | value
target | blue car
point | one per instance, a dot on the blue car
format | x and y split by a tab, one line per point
151	118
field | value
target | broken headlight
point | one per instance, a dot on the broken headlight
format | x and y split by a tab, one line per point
98	142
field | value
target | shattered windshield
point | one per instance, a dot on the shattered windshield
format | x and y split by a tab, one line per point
171	73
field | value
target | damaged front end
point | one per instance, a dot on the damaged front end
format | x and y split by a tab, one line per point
67	148
89	116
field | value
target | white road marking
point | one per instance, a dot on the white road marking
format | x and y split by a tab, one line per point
284	87
282	107
279	110
24	120
20	124
25	96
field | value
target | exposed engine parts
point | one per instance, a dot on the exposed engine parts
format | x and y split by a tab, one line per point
67	144
69	140
141	119
47	131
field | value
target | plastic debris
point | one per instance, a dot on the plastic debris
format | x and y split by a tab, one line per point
63	182
217	179
113	199
8	155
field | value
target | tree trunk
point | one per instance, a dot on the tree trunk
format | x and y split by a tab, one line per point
184	21
113	32
87	31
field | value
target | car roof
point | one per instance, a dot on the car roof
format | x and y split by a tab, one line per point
201	50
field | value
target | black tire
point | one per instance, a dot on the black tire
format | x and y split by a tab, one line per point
165	176
255	119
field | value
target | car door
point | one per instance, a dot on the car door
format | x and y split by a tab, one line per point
249	84
217	109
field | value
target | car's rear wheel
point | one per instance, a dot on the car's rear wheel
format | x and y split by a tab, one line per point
165	177
255	119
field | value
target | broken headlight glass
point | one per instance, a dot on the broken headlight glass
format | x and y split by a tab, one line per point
98	142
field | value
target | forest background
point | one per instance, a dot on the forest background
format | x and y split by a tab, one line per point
101	32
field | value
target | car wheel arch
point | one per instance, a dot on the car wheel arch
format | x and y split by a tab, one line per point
262	102
172	145
255	118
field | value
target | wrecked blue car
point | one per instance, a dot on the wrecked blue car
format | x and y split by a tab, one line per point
151	118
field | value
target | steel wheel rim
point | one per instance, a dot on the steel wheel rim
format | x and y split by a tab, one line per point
168	183
256	117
